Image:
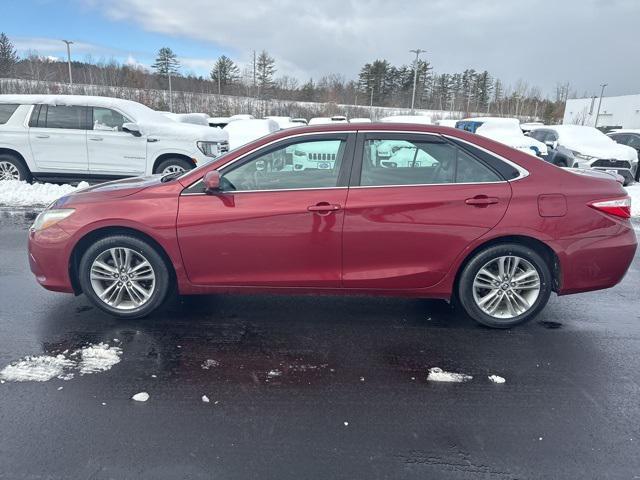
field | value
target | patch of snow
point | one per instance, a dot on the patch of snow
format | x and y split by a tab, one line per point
438	375
496	379
41	368
140	397
60	388
36	368
634	193
99	358
274	373
346	424
209	363
22	194
205	399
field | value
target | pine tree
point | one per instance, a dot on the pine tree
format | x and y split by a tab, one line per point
166	62
8	56
265	69
224	73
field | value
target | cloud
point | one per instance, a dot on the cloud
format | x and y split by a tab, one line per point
541	41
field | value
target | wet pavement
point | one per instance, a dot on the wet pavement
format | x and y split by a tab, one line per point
319	387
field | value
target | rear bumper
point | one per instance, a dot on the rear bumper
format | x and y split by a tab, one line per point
596	263
48	258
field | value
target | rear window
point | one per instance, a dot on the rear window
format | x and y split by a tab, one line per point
58	116
6	110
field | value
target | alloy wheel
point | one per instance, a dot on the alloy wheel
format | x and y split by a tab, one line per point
172	169
8	171
506	287
122	278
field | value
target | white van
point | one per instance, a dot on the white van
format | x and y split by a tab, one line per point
71	137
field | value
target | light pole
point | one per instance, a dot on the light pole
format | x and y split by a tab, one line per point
415	76
69	59
600	103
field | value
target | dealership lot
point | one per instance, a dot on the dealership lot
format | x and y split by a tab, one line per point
319	387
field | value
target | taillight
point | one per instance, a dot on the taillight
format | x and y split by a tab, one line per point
620	207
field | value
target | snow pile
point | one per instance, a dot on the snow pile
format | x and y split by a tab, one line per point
496	379
209	363
274	373
438	375
41	368
140	397
14	193
36	368
634	193
98	358
205	399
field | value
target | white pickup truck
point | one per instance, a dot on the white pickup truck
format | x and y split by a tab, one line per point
72	137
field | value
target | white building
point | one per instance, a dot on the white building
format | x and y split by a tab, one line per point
619	112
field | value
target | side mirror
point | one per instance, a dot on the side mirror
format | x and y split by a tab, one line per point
552	144
132	128
211	182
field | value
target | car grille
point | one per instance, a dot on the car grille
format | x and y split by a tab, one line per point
611	163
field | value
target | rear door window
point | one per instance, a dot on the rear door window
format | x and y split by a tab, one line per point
65	117
411	161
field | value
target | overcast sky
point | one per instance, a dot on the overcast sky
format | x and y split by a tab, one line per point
543	42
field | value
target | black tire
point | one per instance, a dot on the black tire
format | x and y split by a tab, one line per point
160	269
479	260
23	171
562	164
174	162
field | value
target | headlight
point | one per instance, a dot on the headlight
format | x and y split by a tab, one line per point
210	149
581	156
50	217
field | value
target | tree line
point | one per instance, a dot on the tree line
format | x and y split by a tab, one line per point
379	83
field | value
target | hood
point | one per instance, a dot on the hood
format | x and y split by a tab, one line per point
184	131
515	140
115	189
616	150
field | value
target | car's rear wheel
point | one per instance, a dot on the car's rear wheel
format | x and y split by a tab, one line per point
173	165
124	276
505	285
13	169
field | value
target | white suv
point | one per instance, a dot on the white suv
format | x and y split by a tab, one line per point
70	137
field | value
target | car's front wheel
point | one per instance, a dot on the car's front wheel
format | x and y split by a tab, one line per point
505	285
173	165
124	276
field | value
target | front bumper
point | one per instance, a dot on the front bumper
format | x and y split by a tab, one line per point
48	258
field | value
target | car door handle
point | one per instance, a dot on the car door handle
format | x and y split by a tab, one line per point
96	139
481	201
42	136
324	208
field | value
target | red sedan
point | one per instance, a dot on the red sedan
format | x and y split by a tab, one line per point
386	209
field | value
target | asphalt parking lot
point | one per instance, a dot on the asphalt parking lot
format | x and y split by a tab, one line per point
319	387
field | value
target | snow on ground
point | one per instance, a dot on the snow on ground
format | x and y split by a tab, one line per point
140	397
99	358
438	375
22	194
209	363
496	379
634	193
41	368
36	368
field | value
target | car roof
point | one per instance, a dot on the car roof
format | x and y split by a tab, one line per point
69	100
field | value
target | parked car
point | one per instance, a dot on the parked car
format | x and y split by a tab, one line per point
360	120
447	122
630	138
419	119
71	137
301	121
241	132
504	130
591	149
486	226
557	154
327	120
